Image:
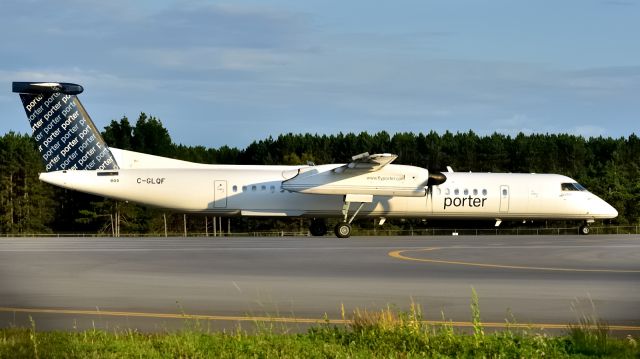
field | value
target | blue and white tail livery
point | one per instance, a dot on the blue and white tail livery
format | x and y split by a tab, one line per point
77	158
67	138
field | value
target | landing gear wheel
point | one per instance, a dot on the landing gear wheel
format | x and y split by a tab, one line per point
318	228
343	230
584	229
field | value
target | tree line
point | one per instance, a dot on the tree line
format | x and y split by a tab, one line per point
608	167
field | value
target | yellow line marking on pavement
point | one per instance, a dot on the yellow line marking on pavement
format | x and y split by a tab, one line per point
292	320
399	255
172	315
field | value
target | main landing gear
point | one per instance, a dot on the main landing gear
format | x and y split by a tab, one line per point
318	227
343	229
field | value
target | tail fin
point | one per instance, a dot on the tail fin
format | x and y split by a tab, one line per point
67	138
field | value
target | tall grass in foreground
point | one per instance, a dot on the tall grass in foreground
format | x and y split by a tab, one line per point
382	333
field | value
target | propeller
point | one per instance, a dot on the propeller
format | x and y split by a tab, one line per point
435	178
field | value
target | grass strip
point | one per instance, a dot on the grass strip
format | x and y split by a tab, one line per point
384	333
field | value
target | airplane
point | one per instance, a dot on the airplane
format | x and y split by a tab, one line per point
76	157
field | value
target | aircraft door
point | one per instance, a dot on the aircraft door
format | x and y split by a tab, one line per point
504	198
220	194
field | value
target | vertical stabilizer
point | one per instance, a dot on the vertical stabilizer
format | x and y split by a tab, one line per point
67	138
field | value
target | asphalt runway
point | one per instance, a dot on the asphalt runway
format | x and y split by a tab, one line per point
149	284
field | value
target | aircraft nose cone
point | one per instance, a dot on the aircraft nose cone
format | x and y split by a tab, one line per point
606	210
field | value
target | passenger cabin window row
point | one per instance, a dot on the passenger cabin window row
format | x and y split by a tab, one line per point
456	192
447	191
254	188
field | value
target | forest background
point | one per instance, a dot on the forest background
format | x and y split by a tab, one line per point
608	167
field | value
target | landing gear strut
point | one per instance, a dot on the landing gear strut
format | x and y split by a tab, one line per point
343	229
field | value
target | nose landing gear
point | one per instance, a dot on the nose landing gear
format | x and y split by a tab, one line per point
585	229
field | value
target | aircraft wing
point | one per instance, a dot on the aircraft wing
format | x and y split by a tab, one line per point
358	178
367	162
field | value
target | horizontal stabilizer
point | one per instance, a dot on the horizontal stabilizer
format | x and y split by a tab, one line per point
39	88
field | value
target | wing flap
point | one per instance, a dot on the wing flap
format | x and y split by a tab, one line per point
367	162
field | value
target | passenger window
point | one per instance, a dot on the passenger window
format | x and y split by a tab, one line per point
456	191
484	192
235	188
264	188
244	188
447	191
475	192
254	188
466	191
273	189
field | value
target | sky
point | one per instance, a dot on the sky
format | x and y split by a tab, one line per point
229	73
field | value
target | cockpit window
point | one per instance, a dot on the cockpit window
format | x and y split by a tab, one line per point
572	187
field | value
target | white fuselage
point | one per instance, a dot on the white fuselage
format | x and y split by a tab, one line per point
398	191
